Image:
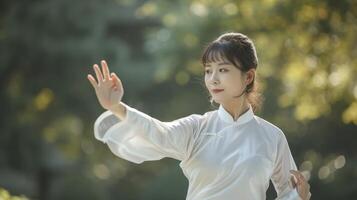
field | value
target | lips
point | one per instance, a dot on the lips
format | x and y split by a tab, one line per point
217	90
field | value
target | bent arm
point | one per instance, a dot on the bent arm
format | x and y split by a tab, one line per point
281	177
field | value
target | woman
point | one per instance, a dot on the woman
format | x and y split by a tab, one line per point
226	154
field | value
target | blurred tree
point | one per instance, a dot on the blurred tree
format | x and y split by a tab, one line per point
47	48
307	53
5	195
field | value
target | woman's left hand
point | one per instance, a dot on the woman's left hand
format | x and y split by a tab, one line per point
302	186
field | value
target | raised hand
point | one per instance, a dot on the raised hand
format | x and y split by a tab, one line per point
108	88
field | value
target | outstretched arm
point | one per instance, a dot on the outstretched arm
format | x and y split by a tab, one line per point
132	134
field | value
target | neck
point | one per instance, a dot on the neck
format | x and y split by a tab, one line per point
236	109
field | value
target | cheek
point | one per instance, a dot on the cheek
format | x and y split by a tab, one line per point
230	80
233	84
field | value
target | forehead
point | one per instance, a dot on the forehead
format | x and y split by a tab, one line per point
215	55
217	63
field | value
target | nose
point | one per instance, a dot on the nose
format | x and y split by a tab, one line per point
214	79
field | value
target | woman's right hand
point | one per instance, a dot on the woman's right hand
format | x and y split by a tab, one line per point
108	88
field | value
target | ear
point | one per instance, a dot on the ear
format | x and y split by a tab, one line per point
250	75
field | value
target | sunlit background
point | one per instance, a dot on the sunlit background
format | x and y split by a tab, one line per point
307	70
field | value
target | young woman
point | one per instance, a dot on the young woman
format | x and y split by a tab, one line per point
226	154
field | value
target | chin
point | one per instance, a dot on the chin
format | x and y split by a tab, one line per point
221	99
218	100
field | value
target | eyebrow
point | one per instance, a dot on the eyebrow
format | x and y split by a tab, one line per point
221	63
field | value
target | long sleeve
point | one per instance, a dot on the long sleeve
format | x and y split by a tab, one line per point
284	162
140	137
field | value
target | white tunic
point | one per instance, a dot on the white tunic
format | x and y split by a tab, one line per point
222	159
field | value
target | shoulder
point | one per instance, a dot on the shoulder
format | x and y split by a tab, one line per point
200	118
196	120
272	133
269	128
201	121
197	117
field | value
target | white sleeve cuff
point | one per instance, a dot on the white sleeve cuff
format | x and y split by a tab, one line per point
107	121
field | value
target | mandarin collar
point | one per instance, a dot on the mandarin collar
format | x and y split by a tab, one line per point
226	117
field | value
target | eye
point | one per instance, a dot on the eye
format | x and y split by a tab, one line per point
223	70
207	71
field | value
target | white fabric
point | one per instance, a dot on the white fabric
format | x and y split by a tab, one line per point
222	159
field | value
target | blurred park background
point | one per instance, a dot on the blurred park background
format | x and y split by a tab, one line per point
307	69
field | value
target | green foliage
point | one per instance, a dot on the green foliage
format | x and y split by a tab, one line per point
307	71
5	195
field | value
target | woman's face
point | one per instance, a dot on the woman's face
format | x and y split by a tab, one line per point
225	77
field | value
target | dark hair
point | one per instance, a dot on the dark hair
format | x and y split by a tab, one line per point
239	50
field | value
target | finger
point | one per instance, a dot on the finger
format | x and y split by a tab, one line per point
297	174
117	80
92	81
105	70
98	73
115	84
301	177
292	179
